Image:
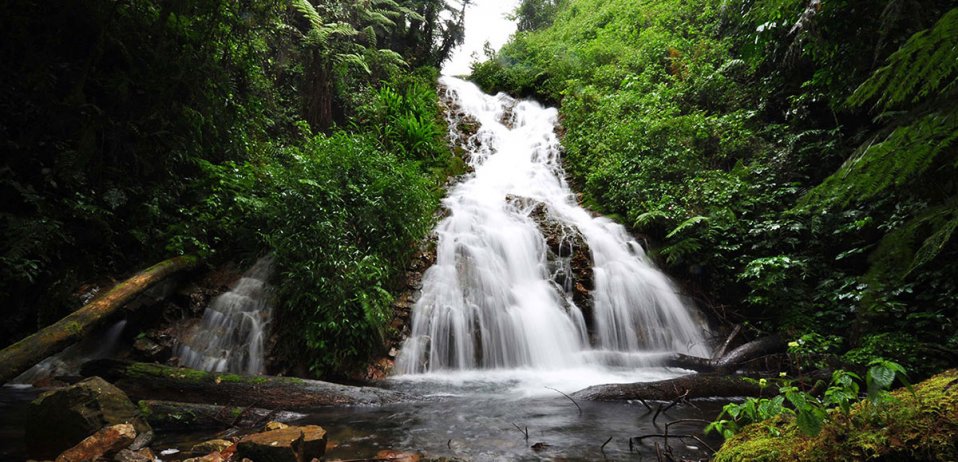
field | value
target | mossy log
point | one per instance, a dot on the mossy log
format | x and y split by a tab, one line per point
154	381
52	339
177	416
695	385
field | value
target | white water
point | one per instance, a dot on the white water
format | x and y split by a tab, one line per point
232	333
489	301
69	361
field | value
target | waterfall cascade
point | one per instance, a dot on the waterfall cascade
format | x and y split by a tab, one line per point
492	299
230	337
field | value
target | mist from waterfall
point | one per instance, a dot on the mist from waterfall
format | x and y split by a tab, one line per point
491	302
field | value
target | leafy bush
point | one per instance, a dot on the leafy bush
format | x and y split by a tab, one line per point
342	219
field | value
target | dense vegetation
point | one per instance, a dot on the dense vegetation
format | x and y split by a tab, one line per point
795	160
138	130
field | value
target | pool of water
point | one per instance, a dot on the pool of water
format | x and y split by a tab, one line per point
476	415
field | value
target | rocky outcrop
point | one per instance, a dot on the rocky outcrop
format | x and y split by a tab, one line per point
106	441
399	329
60	419
567	253
290	444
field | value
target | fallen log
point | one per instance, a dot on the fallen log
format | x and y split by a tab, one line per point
177	416
17	358
729	362
695	385
154	381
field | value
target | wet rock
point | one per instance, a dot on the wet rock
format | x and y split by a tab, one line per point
398	456
216	445
148	350
274	425
291	444
568	254
211	457
540	446
60	419
129	455
105	441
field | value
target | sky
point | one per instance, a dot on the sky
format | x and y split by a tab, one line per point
485	21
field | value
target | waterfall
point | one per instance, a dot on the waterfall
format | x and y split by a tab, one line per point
102	344
492	299
231	335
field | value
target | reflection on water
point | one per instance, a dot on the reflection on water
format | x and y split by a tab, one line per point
471	416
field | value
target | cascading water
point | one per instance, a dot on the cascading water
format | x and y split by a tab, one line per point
231	335
490	300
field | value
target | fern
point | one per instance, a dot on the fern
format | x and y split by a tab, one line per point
923	73
687	224
920	68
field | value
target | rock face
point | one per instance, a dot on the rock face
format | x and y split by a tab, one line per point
62	418
402	306
106	441
290	444
568	255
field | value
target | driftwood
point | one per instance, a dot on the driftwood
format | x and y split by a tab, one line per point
154	381
52	339
689	386
729	362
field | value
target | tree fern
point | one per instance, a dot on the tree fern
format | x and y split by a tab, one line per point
922	74
920	68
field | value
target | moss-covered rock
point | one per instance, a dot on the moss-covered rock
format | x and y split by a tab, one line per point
912	426
59	419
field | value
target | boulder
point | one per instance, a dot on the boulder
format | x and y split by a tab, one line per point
290	444
129	455
274	425
59	419
106	441
206	447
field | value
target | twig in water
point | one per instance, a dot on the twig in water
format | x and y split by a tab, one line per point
449	443
602	448
649	408
673	403
570	399
526	432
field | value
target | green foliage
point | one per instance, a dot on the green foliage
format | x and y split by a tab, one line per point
811	412
734	135
909	424
342	219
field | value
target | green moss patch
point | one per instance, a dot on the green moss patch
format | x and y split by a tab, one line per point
911	426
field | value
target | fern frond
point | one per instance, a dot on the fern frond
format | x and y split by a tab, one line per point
898	159
309	12
922	66
354	59
687	224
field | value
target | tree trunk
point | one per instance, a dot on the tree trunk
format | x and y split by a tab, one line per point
728	363
697	385
154	381
24	354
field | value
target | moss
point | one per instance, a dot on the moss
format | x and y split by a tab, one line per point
144	408
157	370
919	426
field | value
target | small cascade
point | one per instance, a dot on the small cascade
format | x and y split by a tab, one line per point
500	294
69	361
232	333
